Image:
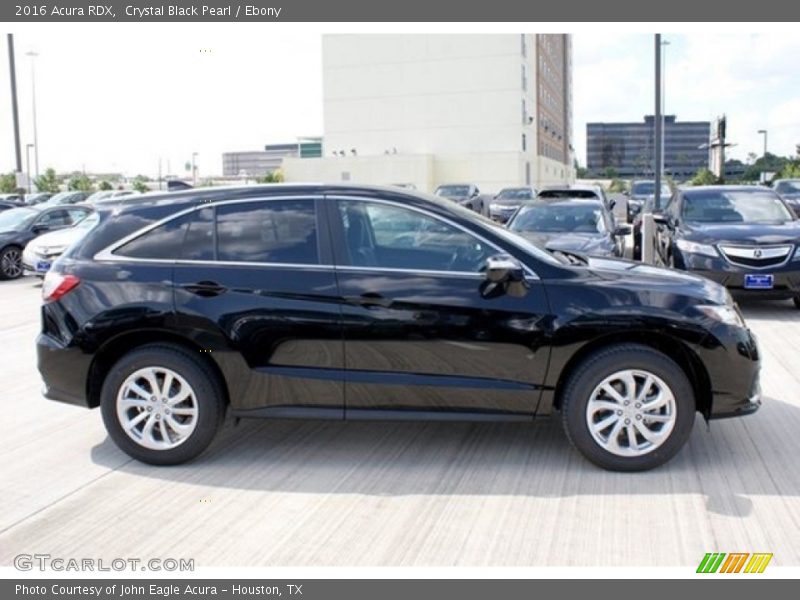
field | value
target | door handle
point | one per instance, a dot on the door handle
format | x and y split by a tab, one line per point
205	289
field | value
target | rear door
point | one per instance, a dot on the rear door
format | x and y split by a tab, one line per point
255	285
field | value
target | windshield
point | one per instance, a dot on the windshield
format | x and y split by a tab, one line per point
515	194
556	218
60	197
451	191
567	193
734	207
648	188
788	187
16	219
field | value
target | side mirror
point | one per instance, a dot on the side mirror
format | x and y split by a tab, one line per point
611	204
623	230
37	229
504	274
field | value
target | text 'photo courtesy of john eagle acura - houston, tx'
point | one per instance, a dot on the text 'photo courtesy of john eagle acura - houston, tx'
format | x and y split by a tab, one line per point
355	302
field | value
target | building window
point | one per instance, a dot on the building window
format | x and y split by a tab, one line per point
524	113
524	47
524	143
524	78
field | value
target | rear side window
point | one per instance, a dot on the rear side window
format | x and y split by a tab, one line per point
198	243
280	231
162	242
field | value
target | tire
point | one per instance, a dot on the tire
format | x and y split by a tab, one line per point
11	262
675	418
188	433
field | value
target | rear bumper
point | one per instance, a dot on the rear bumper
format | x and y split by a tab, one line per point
64	371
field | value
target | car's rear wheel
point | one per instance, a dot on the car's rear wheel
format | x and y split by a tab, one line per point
628	408
160	405
10	262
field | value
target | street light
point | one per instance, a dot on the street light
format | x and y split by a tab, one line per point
33	56
664	44
28	165
764	133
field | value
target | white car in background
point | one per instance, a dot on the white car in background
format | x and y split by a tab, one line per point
105	195
39	254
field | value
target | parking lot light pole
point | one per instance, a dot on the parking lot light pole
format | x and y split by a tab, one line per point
194	168
648	225
33	56
764	133
14	111
28	166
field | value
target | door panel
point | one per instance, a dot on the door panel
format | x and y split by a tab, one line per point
270	311
427	339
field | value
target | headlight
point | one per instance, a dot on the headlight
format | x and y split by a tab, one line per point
727	314
695	248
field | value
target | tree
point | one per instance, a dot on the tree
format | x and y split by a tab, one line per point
790	171
79	183
272	177
581	172
610	173
704	177
48	182
140	185
617	186
8	183
105	186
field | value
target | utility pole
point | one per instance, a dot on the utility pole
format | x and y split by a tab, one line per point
33	56
14	111
764	133
648	224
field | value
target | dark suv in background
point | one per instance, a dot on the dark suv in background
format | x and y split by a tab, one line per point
350	302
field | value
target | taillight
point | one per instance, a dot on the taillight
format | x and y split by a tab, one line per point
56	285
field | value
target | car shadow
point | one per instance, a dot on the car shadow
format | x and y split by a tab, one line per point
729	462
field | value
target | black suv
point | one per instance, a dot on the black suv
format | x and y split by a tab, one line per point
349	302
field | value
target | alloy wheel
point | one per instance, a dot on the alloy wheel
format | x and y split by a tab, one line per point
631	413
157	408
12	263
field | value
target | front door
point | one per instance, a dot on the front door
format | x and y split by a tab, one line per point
419	333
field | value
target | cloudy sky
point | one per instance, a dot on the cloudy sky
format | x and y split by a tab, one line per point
118	98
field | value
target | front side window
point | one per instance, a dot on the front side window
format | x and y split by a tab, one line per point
278	231
393	237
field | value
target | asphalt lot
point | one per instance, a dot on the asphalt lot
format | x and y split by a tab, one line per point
297	493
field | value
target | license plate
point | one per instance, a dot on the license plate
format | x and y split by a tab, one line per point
42	266
758	281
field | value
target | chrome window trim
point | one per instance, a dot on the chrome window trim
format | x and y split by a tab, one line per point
107	253
435	216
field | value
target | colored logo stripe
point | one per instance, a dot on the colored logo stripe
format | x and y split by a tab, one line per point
758	563
714	562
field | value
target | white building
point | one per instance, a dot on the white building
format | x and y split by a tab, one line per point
427	109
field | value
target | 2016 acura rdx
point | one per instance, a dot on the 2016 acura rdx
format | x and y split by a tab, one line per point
348	302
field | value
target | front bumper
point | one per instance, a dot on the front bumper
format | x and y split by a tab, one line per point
732	360
36	263
786	277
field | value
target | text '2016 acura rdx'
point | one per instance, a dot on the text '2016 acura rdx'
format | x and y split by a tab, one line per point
349	302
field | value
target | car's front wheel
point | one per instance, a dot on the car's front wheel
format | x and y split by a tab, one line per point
160	405
628	408
10	262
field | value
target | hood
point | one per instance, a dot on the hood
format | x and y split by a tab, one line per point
579	243
636	275
792	197
742	233
508	201
62	237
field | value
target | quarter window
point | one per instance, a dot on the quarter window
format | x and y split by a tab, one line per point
278	231
162	242
393	237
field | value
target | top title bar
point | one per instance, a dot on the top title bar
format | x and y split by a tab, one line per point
464	11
